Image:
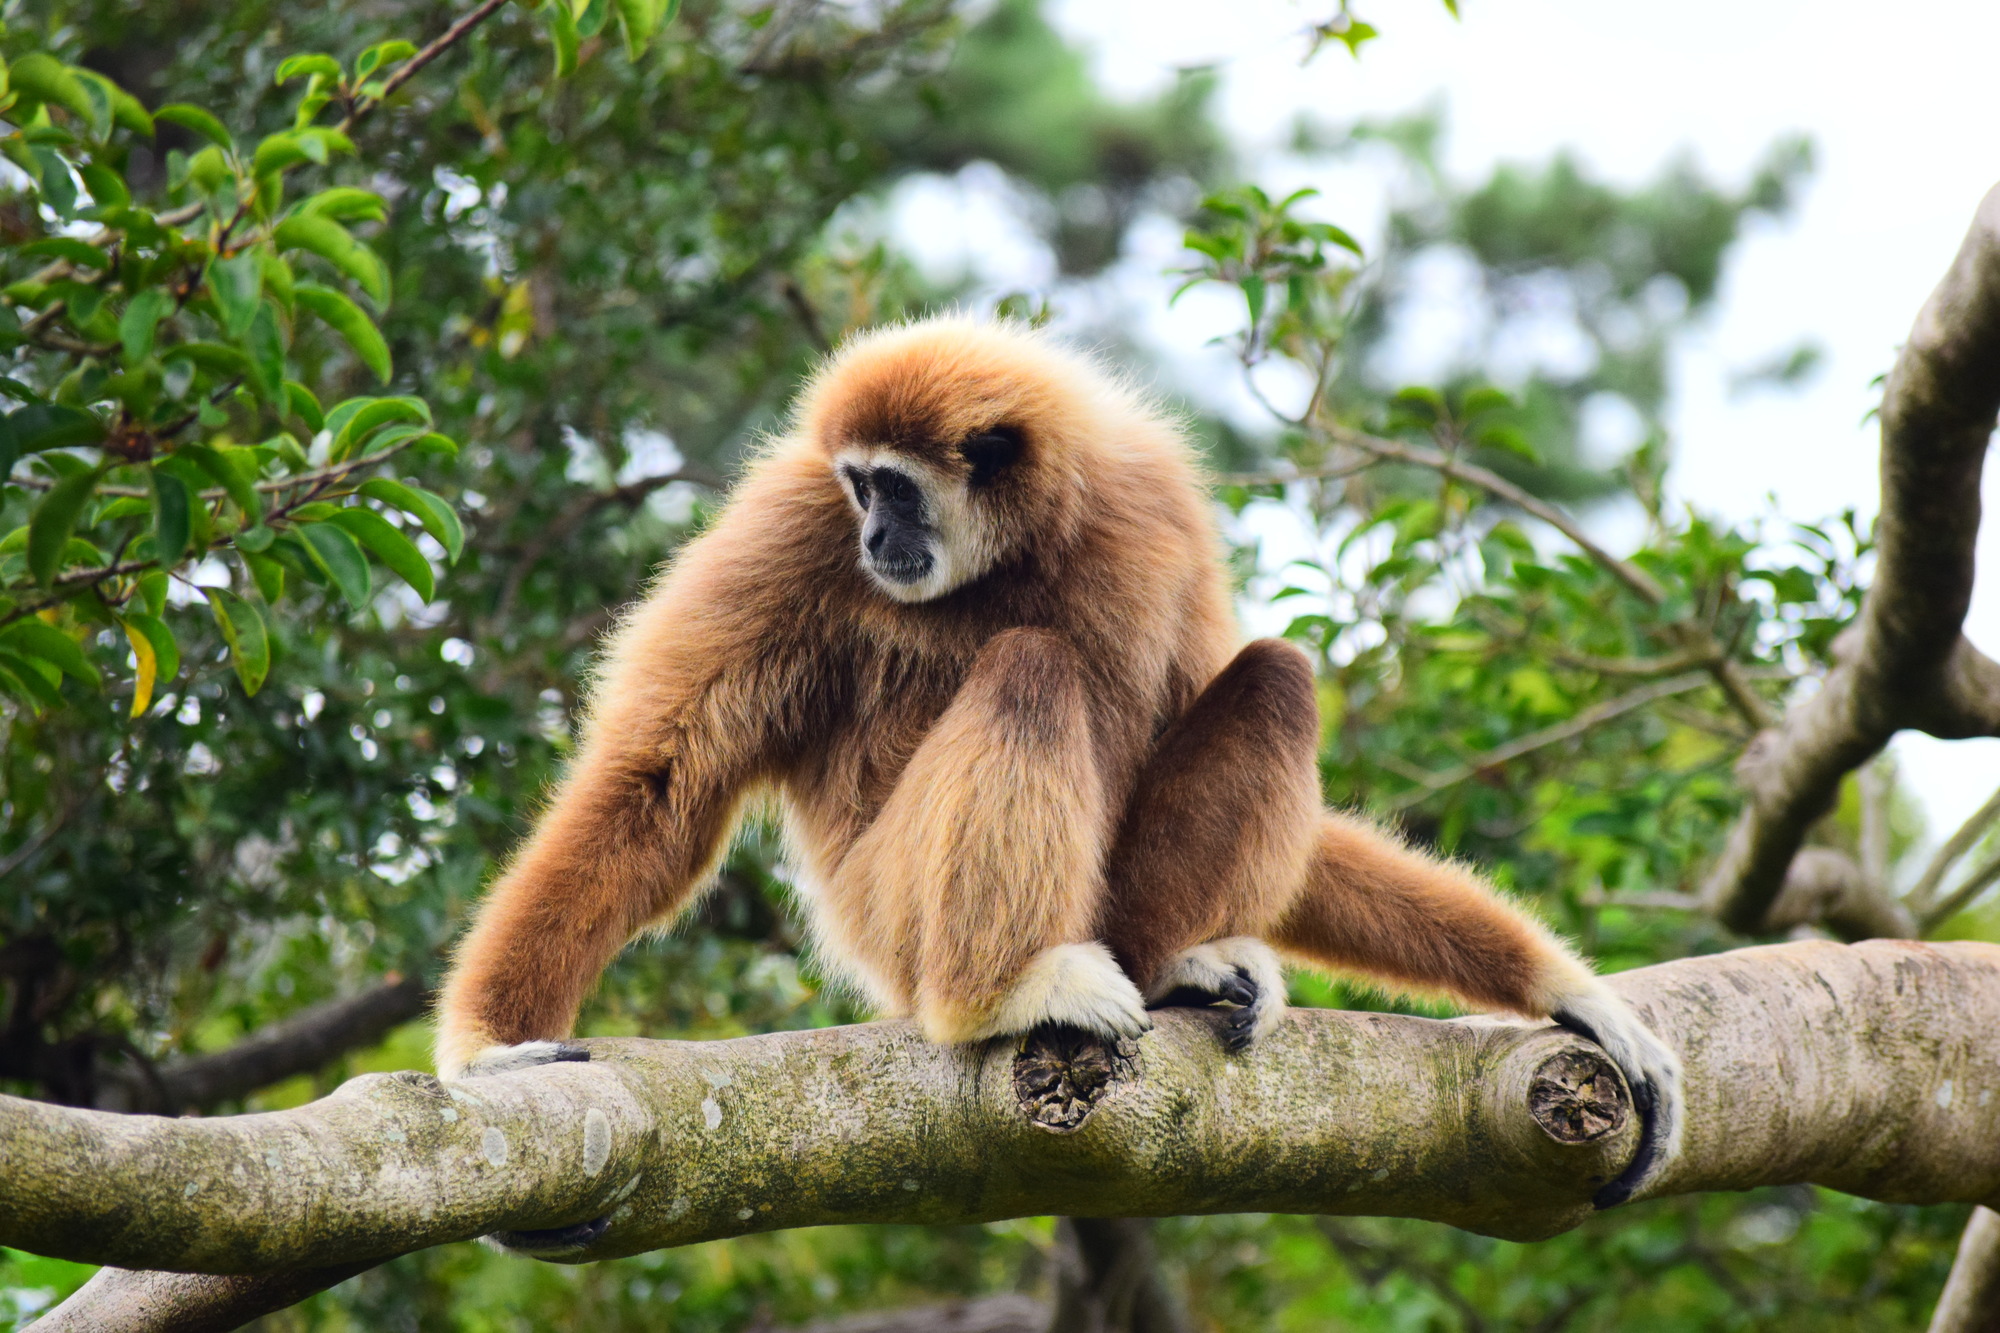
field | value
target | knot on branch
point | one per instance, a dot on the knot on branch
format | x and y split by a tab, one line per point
1062	1073
1576	1096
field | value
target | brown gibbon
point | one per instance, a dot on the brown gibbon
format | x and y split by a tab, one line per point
968	619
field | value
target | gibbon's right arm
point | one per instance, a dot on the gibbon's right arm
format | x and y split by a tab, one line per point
679	728
1372	905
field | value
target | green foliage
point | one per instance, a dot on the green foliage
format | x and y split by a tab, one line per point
605	284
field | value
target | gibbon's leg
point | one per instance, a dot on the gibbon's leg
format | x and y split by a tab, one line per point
1372	905
1214	843
988	856
635	826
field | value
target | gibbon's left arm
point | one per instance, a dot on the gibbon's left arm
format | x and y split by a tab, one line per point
1372	905
680	728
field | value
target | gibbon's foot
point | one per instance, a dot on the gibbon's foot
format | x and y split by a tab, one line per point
1072	985
1653	1073
526	1055
1240	970
555	1241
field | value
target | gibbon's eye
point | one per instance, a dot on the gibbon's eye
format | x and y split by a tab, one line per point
858	479
991	452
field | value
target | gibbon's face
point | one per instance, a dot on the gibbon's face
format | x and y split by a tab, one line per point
926	522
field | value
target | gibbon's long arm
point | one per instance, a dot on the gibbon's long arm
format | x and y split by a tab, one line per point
987	860
680	731
1372	905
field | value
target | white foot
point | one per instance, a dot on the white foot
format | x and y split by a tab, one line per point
1652	1071
1241	970
526	1055
1076	985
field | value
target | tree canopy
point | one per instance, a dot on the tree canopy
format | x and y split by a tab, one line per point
362	362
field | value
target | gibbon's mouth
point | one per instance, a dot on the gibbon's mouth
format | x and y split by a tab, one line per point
902	566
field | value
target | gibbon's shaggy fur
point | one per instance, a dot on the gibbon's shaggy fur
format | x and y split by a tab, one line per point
969	620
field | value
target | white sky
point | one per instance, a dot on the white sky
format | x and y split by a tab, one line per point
1899	101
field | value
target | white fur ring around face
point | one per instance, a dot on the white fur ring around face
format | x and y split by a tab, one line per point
1240	969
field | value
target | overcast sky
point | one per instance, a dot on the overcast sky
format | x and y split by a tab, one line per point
1899	101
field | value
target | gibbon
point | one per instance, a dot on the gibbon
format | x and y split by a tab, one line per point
968	619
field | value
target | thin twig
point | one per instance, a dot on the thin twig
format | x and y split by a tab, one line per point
408	69
1562	731
1961	897
1956	846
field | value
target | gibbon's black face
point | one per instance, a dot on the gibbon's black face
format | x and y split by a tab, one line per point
924	529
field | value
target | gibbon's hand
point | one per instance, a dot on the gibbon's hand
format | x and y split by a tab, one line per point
526	1055
1240	970
1653	1073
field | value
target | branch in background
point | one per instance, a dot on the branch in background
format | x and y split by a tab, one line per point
1924	892
1595	715
1906	662
1973	1292
558	529
307	1041
1866	1068
1702	647
1109	1281
1008	1313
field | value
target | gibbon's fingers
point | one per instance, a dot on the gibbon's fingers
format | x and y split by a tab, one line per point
1652	1071
550	1244
1071	985
523	1055
1239	970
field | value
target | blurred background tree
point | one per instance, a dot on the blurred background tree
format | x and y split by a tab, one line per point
606	285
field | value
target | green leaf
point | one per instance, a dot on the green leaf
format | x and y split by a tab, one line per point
299	399
66	247
563	35
235	470
339	557
26	682
238	284
172	523
141	318
591	16
347	319
107	188
381	54
165	651
40	426
373	414
266	346
46	79
32	638
428	509
396	551
1253	296
124	109
212	357
242	627
190	117
53	521
344	203
641	19
311	62
268	574
318	234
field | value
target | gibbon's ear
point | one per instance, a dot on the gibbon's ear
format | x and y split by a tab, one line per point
991	452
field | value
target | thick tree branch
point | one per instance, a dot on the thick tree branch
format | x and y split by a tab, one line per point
1906	662
308	1040
1867	1068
